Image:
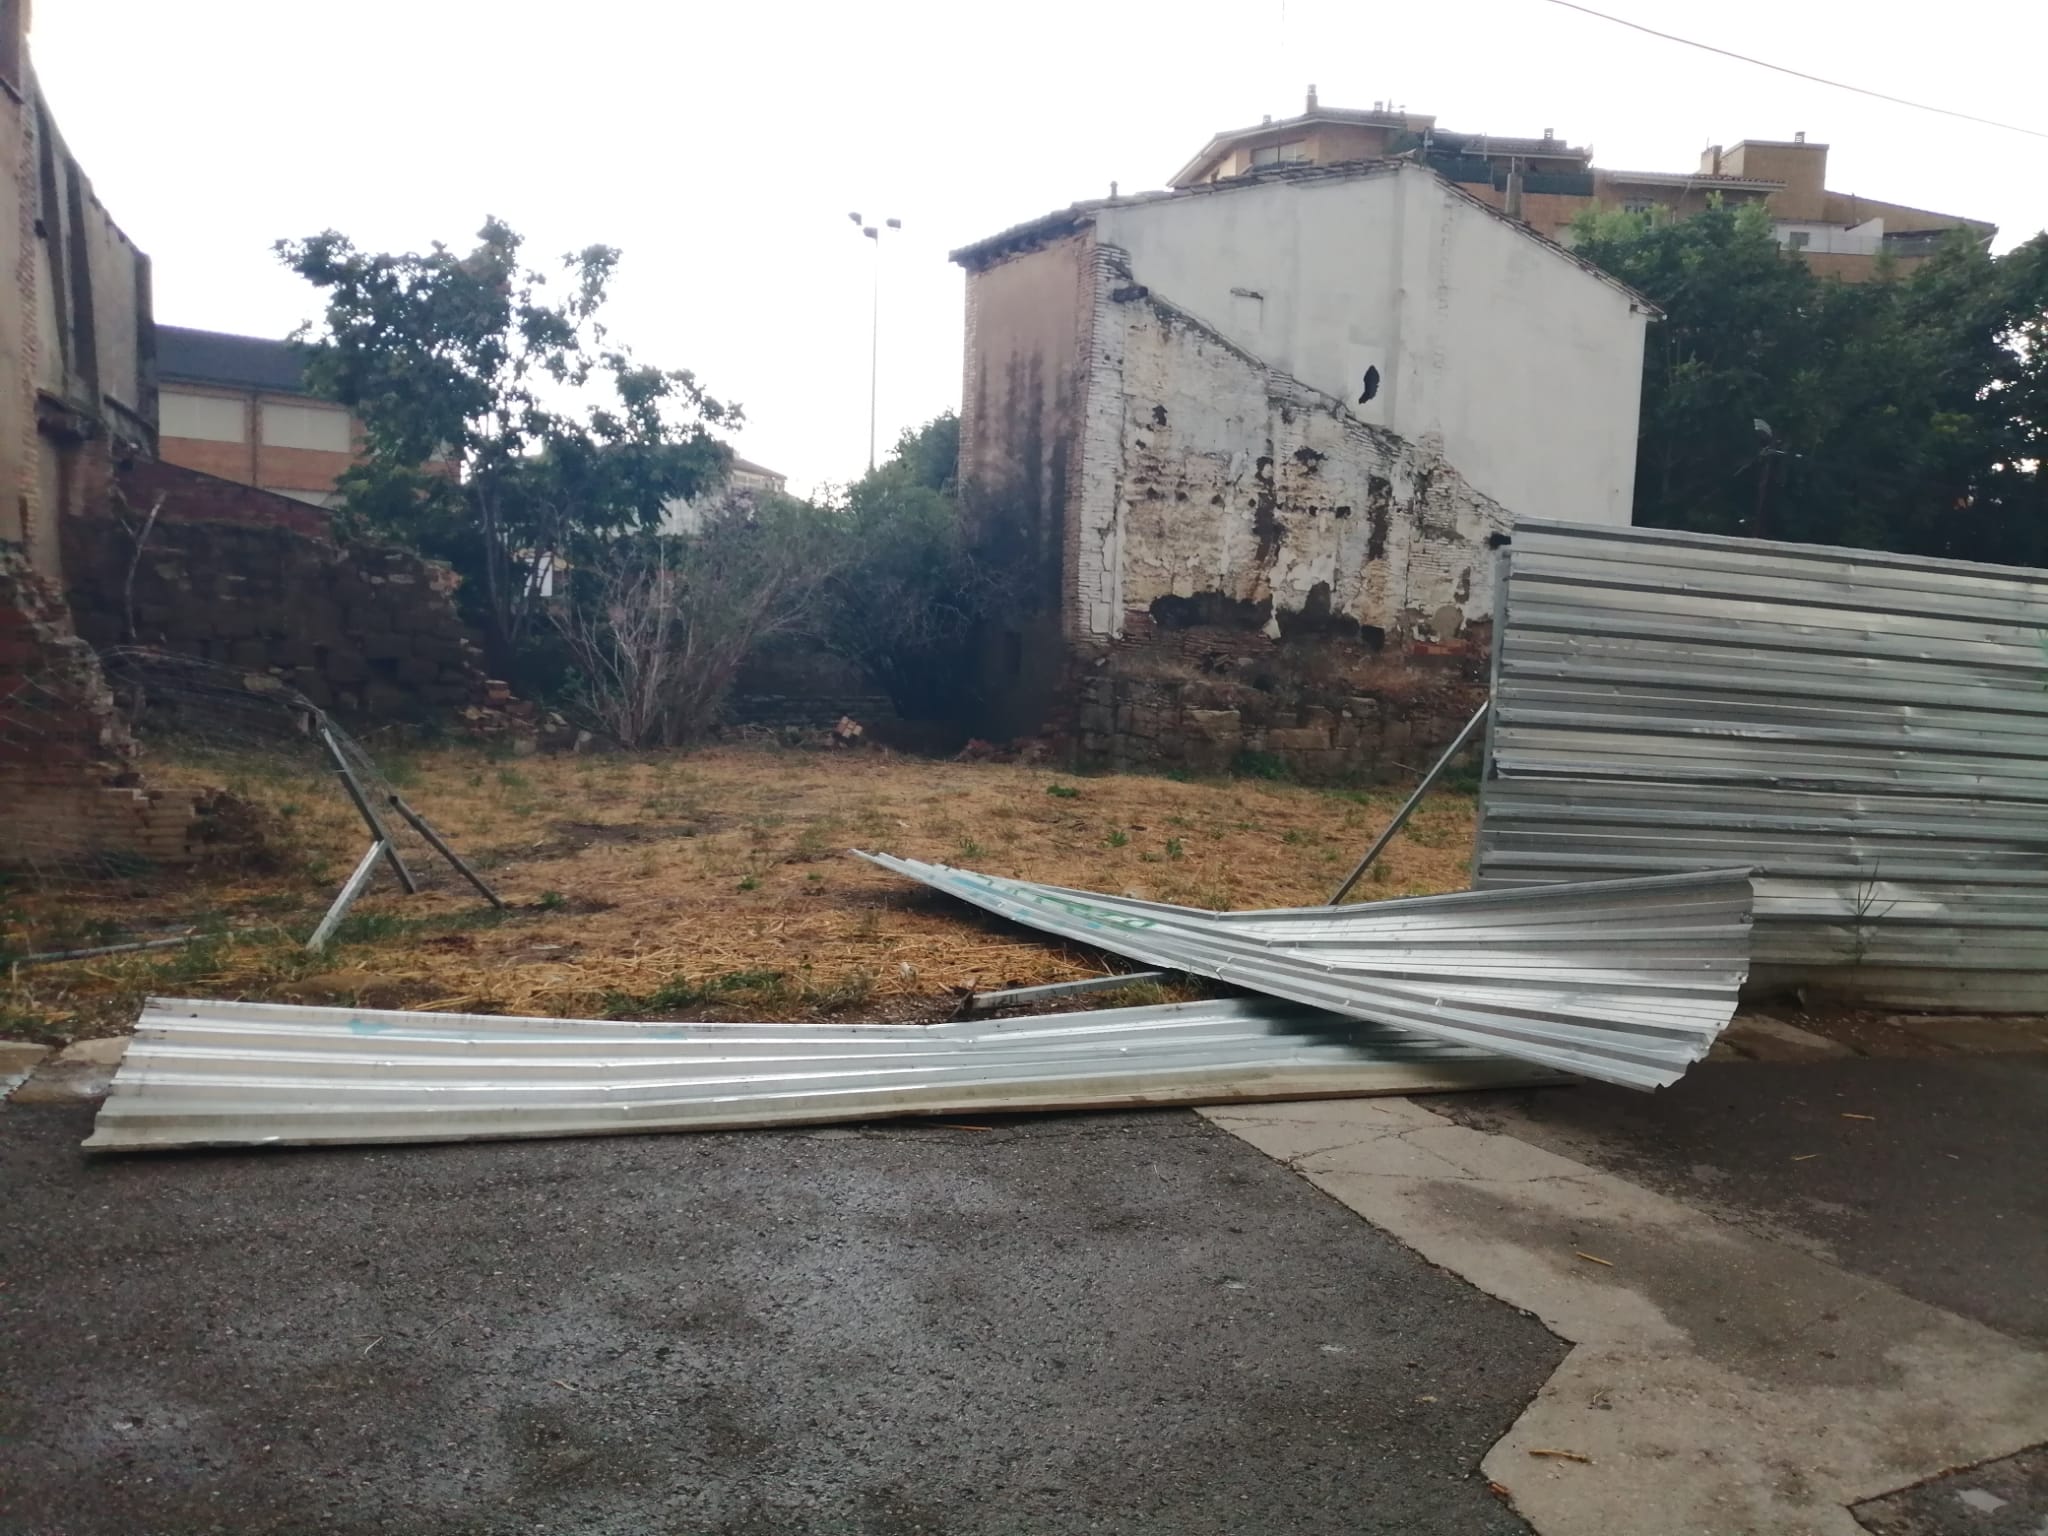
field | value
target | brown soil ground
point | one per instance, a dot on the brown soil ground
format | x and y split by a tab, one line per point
713	884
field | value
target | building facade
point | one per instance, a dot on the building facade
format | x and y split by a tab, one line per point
77	400
1548	183
742	484
1253	442
237	407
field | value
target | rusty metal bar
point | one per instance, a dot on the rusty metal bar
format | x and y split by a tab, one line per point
1401	816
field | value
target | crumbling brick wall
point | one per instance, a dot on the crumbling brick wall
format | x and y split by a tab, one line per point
1259	571
67	780
239	576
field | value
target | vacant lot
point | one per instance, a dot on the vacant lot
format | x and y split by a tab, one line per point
713	884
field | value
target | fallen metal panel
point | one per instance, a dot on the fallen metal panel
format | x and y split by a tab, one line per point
1629	981
1868	731
210	1074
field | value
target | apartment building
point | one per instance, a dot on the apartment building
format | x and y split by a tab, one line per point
1547	182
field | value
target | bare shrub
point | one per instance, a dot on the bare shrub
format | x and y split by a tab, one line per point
658	626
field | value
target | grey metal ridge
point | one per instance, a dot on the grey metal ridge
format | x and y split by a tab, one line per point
1629	981
213	1074
1869	731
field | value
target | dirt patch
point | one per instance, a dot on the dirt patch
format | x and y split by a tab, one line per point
632	877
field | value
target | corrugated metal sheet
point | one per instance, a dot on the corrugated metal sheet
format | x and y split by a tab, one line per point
209	1074
1869	731
1628	980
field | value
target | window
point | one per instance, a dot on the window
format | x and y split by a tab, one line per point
1293	152
323	427
208	418
1639	205
1799	239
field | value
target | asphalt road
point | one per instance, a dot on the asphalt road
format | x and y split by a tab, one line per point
1120	1323
1925	1173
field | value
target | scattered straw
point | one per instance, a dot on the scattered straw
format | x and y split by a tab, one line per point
715	884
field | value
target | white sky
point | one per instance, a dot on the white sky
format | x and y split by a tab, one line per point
722	146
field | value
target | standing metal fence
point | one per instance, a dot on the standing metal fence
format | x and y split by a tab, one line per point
1869	732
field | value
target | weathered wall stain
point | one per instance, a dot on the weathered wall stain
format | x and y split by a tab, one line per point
1293	464
1196	509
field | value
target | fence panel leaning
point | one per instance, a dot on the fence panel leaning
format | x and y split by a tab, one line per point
1869	732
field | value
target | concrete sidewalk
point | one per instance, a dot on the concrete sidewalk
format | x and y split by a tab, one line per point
1759	1343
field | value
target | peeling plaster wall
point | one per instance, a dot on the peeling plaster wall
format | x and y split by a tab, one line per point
1241	485
1519	365
1261	571
1234	542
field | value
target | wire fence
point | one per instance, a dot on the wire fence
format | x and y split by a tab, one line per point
190	789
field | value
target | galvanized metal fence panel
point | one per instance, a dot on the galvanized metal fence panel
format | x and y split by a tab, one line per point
1629	981
1868	731
212	1074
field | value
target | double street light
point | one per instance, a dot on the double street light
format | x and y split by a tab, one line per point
873	233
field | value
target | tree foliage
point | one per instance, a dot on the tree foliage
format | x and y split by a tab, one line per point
1906	413
501	427
907	599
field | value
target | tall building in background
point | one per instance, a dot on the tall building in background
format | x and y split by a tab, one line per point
238	407
1547	182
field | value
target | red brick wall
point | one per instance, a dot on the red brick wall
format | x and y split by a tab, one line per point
195	496
67	781
249	579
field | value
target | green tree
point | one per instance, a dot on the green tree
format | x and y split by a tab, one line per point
908	596
500	428
1903	413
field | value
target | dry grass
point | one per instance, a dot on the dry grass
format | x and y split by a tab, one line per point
715	885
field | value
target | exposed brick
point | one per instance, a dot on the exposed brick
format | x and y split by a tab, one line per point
239	576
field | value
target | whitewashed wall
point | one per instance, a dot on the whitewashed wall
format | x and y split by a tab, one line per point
1494	348
1208	474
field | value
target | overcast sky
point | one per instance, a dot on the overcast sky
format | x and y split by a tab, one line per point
722	147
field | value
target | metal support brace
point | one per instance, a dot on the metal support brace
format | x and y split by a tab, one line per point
419	824
1401	816
350	890
355	792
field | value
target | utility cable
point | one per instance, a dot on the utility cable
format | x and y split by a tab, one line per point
1799	74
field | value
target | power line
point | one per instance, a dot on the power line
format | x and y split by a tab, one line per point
1798	74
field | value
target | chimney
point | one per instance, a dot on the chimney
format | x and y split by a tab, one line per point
1311	98
1710	161
1799	137
1549	137
1512	207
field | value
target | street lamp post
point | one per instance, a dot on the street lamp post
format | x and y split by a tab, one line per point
874	233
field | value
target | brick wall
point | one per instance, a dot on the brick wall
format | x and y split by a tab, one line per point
73	799
239	576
